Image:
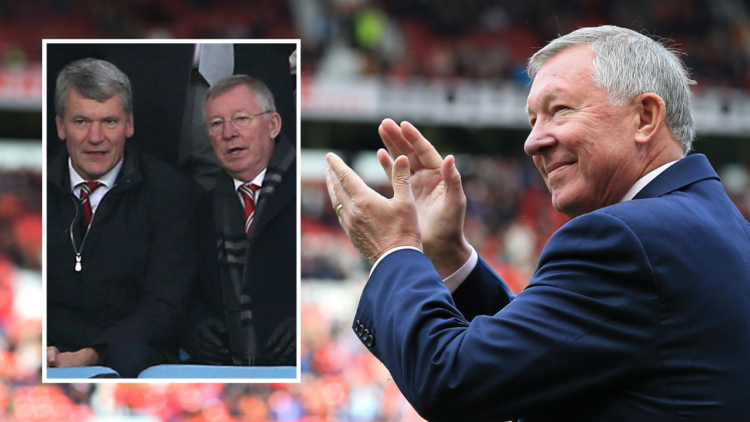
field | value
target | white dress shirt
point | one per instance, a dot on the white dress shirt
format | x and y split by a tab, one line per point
258	180
453	281
107	181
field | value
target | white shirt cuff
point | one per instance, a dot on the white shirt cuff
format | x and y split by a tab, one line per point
388	253
453	281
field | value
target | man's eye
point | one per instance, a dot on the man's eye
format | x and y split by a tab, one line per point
242	119
110	122
217	123
79	121
560	108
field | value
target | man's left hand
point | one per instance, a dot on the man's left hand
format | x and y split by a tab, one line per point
84	357
373	223
281	347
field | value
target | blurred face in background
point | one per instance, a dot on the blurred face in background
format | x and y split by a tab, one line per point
242	134
583	145
94	133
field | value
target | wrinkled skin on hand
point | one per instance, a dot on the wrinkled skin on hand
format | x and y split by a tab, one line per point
374	224
437	190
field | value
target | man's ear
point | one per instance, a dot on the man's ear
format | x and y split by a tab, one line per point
275	124
130	130
649	119
60	128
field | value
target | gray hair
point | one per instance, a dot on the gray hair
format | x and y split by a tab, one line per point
263	95
627	64
94	79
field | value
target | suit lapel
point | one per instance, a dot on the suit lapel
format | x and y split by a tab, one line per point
685	172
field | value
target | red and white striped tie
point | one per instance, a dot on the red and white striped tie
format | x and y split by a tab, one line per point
248	192
86	189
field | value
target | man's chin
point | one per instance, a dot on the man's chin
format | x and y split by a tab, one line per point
565	205
96	170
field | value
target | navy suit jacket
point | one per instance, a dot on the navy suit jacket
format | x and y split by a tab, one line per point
639	311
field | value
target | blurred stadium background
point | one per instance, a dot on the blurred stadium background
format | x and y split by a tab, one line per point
453	67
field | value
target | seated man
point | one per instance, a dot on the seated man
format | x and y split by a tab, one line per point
121	241
245	310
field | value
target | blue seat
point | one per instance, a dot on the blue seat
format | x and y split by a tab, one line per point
219	372
81	372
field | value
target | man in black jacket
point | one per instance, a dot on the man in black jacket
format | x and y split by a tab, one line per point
121	241
248	316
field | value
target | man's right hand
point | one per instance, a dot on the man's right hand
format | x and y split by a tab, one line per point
436	185
209	345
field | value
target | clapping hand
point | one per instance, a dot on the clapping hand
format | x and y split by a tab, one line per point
437	190
373	223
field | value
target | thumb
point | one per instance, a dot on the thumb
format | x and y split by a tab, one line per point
401	177
454	191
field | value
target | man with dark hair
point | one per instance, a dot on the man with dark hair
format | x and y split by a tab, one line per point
248	315
638	309
121	237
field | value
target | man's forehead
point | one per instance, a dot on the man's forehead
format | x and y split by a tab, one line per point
79	104
559	76
236	99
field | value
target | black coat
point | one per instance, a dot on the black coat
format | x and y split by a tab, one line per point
139	257
252	287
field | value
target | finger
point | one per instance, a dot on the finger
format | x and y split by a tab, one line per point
393	139
387	141
210	339
333	186
423	149
402	179
453	189
51	356
386	162
349	183
208	336
397	144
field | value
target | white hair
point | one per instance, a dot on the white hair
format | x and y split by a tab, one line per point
627	64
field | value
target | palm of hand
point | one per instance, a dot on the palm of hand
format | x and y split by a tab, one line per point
437	215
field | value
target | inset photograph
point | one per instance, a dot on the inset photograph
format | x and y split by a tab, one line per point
172	218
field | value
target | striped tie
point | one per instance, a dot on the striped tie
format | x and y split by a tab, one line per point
86	189
248	192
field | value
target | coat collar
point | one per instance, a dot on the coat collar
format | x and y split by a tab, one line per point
687	171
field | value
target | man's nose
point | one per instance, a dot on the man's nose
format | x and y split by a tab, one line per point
539	141
228	131
96	134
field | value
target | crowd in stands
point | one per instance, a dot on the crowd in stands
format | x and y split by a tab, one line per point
399	38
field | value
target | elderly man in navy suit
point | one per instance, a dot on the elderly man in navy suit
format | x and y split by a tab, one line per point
638	309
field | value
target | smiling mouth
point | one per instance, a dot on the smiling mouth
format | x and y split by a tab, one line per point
557	168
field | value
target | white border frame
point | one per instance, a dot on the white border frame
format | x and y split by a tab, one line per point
45	43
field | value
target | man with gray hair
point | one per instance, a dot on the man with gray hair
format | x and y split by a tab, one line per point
637	310
120	232
244	312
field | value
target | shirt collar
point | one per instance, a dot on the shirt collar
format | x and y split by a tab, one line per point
645	180
108	179
258	180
